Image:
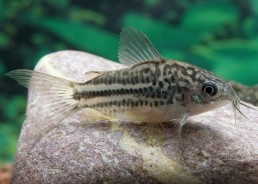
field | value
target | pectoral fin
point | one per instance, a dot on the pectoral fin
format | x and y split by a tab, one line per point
183	121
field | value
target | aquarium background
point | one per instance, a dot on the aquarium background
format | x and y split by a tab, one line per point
221	36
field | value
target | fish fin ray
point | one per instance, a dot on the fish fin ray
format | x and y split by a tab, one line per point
182	122
153	133
135	47
56	94
92	115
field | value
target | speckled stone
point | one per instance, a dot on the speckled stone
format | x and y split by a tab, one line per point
211	149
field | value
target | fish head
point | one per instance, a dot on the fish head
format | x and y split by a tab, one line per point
206	91
210	95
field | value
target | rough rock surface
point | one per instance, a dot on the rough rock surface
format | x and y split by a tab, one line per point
211	149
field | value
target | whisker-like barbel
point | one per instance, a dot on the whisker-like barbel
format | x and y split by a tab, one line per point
248	105
237	107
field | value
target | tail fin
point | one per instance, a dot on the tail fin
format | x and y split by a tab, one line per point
56	94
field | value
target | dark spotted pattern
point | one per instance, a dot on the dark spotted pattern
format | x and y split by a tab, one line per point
126	103
150	92
144	75
154	84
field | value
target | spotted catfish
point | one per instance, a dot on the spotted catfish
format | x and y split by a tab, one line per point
150	89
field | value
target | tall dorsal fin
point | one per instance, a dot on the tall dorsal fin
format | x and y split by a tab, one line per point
135	47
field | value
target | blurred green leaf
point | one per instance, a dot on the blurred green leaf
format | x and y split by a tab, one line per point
37	38
4	40
83	36
1	11
151	3
235	49
173	54
200	57
250	27
254	6
233	60
242	72
2	68
8	141
58	3
12	8
36	11
165	36
78	14
210	16
15	107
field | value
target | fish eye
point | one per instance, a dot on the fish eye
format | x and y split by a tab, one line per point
209	89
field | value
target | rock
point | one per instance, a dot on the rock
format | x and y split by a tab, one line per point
211	149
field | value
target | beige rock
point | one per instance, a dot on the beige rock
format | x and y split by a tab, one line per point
211	149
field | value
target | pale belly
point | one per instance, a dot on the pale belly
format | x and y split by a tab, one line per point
147	114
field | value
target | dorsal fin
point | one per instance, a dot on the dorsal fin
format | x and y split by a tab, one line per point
135	47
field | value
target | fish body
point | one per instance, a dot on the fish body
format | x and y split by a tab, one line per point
150	89
150	92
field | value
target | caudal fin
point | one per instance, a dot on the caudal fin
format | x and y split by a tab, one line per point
56	93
